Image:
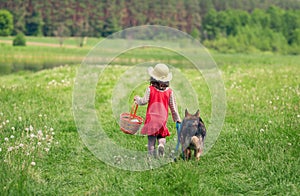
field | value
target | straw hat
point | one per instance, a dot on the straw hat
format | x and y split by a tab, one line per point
160	72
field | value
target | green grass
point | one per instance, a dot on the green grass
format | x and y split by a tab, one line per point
257	152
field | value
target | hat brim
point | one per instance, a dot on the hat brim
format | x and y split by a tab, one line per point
164	79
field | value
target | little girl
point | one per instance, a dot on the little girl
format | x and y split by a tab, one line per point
159	98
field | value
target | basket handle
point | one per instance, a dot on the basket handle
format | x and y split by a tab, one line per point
133	110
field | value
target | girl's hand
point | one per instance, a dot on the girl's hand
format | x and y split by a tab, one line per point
135	99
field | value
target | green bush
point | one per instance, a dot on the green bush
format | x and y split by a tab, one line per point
19	40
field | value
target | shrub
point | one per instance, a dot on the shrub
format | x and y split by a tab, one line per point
19	40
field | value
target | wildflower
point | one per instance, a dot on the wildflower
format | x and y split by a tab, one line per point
47	149
0	149
40	132
31	128
33	163
40	115
10	149
1	114
298	115
12	128
6	139
21	145
32	135
261	130
26	129
20	118
39	143
7	121
12	136
289	144
51	129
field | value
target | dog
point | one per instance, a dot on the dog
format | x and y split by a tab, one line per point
192	135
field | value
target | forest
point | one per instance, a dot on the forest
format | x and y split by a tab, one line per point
223	25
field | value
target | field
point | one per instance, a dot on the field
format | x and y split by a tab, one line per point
41	152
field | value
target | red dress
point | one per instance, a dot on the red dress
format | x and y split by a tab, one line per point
157	113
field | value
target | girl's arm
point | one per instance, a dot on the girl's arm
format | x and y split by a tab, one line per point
143	100
173	107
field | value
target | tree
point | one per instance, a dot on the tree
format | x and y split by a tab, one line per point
34	24
6	23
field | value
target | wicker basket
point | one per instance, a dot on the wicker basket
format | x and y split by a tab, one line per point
130	122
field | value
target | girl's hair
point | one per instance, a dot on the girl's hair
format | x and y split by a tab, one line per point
158	84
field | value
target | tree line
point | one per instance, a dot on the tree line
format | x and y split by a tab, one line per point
227	25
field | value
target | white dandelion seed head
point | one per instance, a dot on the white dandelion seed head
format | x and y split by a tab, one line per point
51	129
40	132
33	163
13	128
6	139
7	121
26	129
261	130
10	148
31	128
12	136
20	118
39	143
21	145
40	115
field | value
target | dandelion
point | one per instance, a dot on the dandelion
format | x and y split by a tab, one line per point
32	135
31	128
20	118
40	115
12	128
52	133
289	144
47	149
40	132
298	116
21	145
32	163
261	130
51	129
10	149
0	149
6	139
12	136
26	129
39	143
7	121
1	114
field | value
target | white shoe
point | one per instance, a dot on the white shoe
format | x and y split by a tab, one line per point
161	150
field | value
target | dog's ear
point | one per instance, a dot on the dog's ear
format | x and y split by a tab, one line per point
197	114
186	113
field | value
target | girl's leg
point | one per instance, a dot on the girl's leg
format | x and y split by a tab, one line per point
151	144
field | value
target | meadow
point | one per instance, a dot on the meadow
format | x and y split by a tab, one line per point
41	152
